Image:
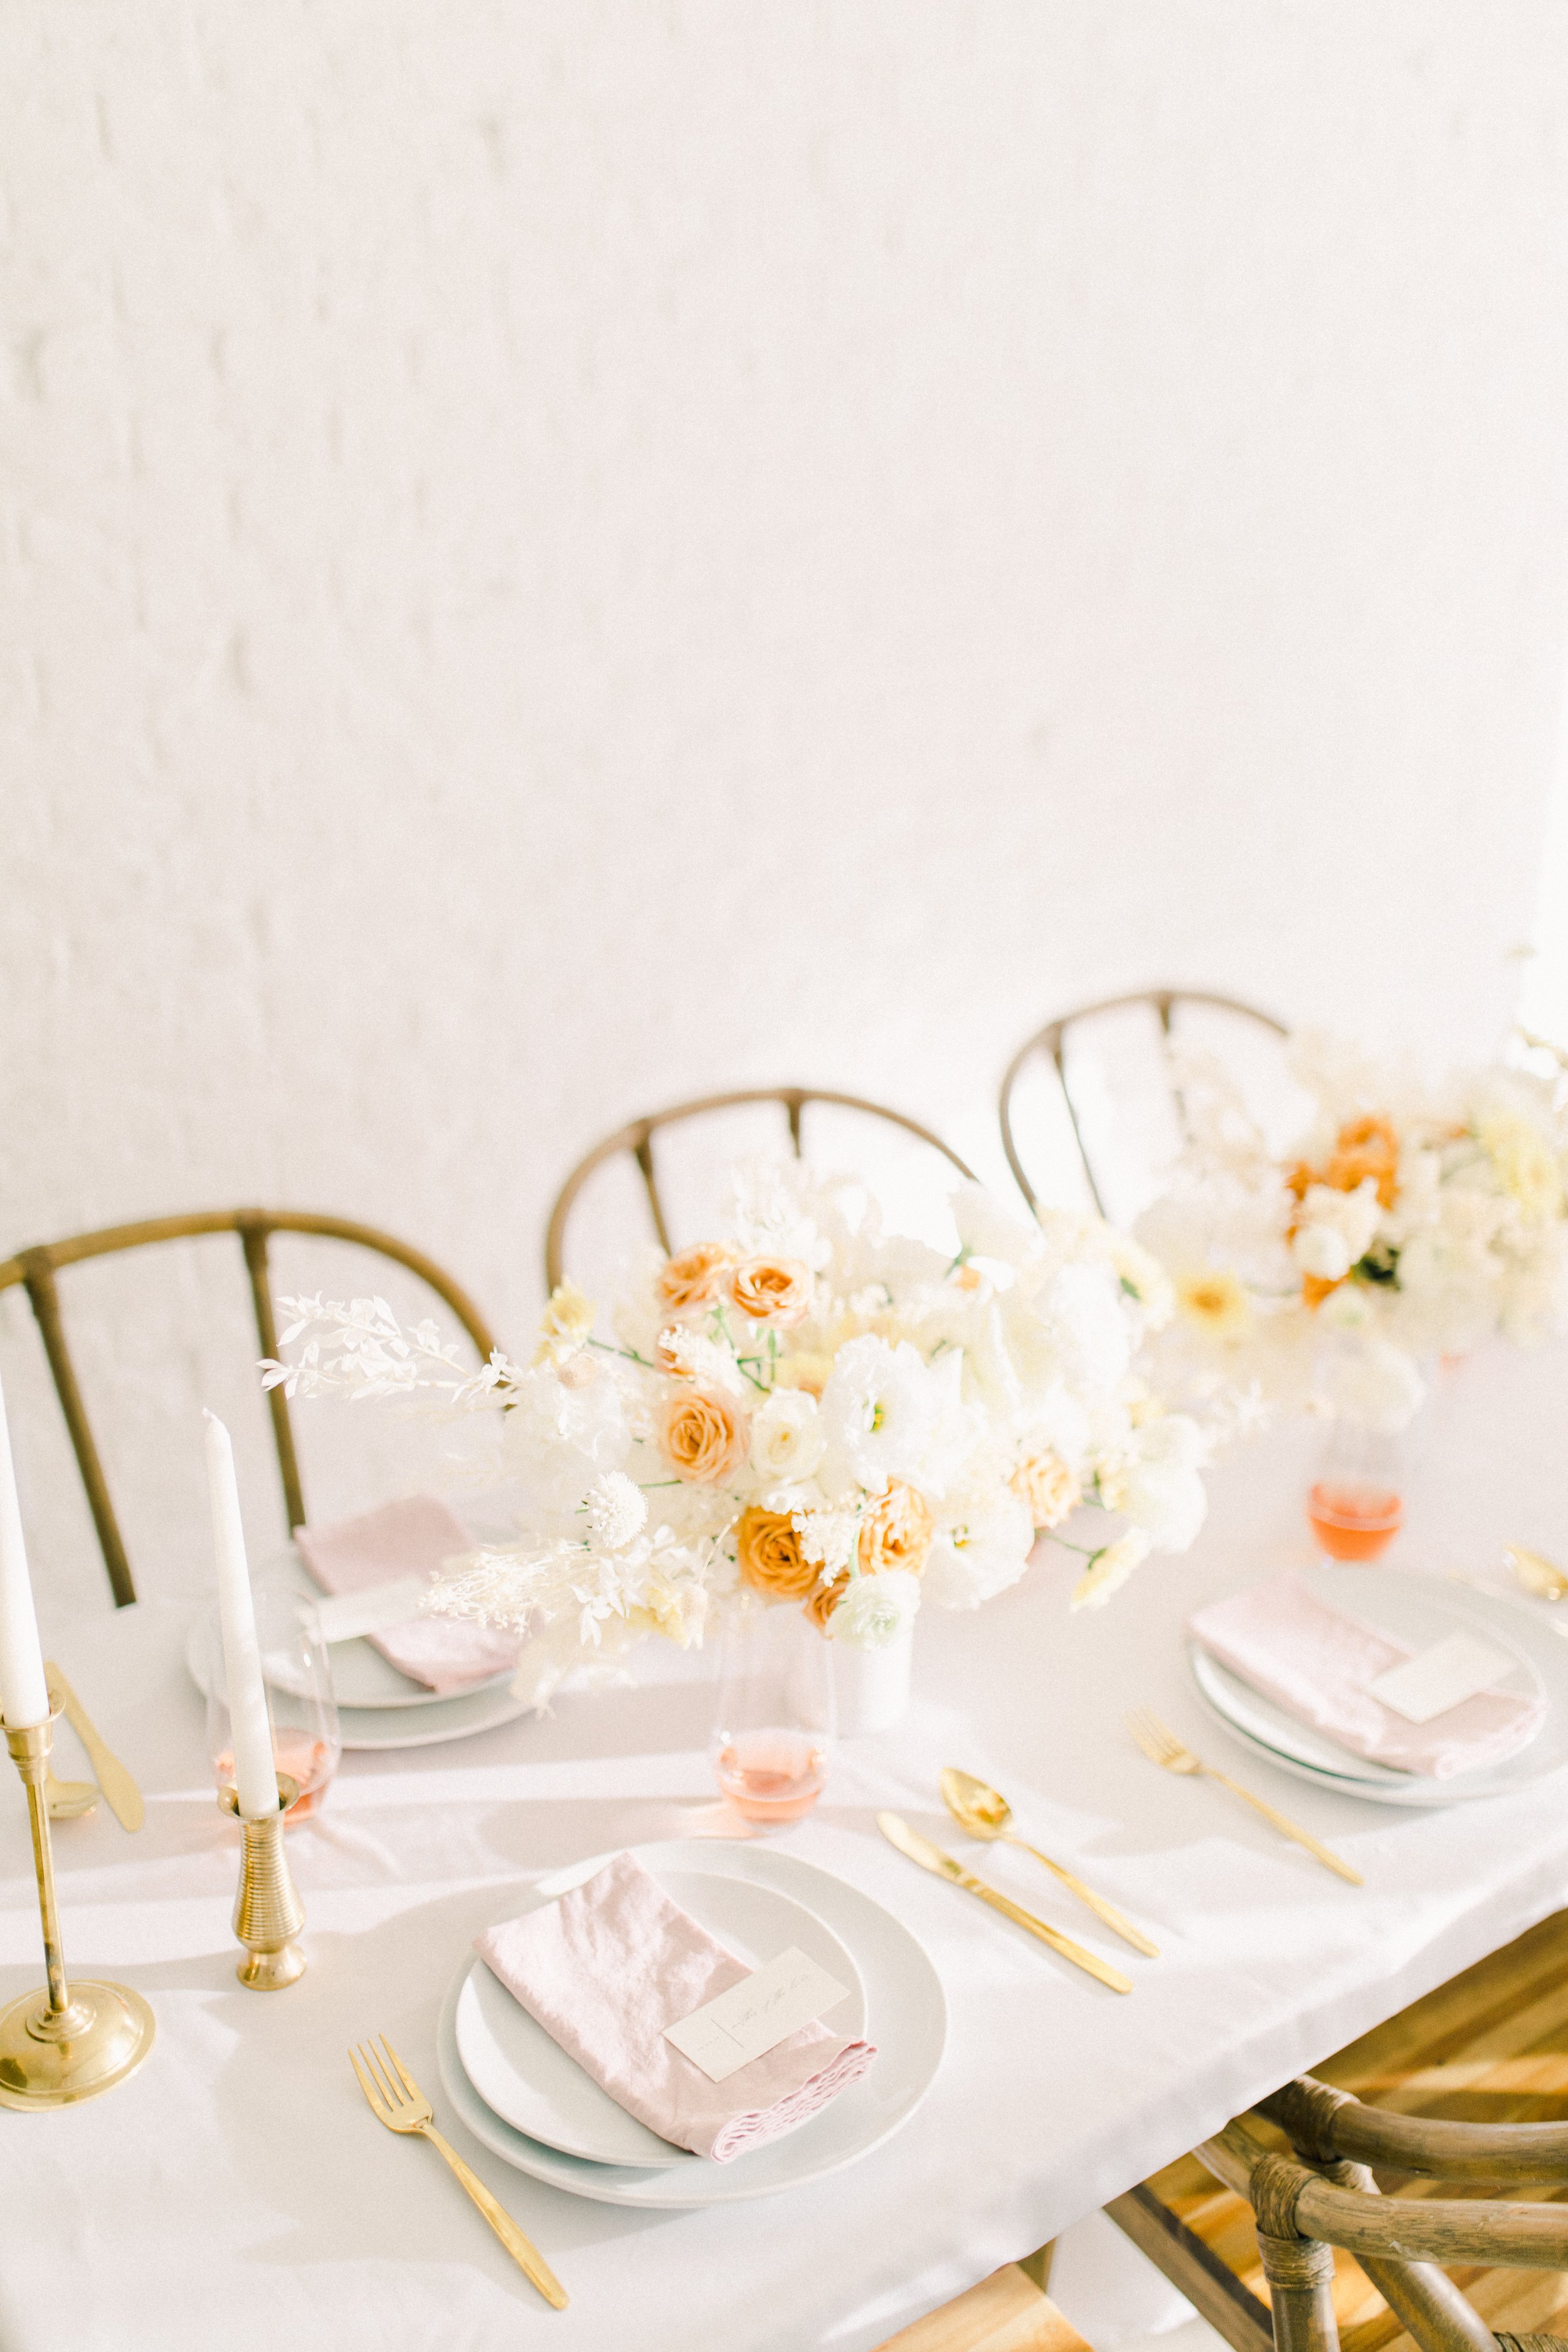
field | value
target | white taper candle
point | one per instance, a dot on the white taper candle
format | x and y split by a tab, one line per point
24	1694
254	1774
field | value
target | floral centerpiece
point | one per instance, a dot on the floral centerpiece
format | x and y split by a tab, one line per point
805	1412
1409	1222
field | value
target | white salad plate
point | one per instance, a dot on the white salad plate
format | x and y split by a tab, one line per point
1416	1611
903	2004
377	1707
531	2083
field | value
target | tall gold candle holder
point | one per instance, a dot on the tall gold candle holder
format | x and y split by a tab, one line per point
267	1912
72	2041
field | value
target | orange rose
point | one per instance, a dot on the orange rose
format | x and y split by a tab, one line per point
826	1600
1048	1487
695	1278
1364	1148
703	1436
895	1532
768	1551
775	1290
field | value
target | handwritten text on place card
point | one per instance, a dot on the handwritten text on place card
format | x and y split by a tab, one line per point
1443	1676
753	2018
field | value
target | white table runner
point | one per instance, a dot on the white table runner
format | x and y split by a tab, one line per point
239	2194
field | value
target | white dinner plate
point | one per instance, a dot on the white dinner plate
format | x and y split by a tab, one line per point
531	2083
903	1997
1416	1610
424	1719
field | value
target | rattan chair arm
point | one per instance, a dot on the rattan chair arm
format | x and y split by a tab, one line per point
1323	2122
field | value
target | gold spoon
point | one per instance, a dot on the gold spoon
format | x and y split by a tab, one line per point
68	1800
1537	1575
984	1812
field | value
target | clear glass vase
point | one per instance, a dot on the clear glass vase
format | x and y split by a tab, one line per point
775	1718
307	1742
1355	1504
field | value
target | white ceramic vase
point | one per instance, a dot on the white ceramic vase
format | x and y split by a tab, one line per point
871	1687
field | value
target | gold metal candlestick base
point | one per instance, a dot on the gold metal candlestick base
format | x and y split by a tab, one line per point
67	2043
267	1912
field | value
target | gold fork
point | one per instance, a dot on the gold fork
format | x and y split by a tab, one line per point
397	2101
1162	1746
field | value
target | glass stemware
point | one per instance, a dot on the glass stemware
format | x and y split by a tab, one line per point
772	1726
1355	1505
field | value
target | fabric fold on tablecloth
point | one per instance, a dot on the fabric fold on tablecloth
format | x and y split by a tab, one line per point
410	1537
1315	1663
609	1964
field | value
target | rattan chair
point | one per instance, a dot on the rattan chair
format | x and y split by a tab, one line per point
1321	2193
1052	1043
637	1139
34	1270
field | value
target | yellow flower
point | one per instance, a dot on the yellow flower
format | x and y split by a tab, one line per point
564	1324
1526	1165
805	1369
1215	1299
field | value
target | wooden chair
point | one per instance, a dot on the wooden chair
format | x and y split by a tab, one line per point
637	1139
1249	2225
34	1270
1008	2312
1053	1041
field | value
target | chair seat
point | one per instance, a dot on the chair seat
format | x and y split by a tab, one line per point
1490	2047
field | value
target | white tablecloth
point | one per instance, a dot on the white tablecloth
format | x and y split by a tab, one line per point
237	2192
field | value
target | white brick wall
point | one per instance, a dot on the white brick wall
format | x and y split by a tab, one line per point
554	555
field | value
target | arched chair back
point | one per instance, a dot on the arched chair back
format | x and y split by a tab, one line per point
34	1270
637	1142
1053	1046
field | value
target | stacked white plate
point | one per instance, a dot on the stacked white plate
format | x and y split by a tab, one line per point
1416	1611
518	2092
377	1706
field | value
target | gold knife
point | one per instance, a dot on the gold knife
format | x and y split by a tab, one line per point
124	1797
930	1857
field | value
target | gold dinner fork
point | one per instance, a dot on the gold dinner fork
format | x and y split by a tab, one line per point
1162	1746
397	2101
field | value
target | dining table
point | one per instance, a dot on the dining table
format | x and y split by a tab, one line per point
237	2193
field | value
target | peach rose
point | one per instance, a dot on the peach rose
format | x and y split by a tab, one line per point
694	1279
895	1532
826	1600
805	1371
768	1551
1049	1489
703	1435
773	1290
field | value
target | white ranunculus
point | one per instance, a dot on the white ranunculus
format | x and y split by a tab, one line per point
878	1413
788	1436
876	1609
987	1228
1109	1569
981	1556
1336	1229
1167	1500
1375	1385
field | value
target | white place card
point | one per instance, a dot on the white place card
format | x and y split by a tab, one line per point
755	2017
1433	1681
375	1608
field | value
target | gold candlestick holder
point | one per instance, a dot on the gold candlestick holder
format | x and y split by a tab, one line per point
72	2041
267	1912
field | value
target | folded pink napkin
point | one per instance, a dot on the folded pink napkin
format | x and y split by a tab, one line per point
605	1968
1316	1665
409	1539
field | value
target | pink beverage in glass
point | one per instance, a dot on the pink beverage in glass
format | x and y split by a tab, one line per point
771	1776
1354	1521
308	1761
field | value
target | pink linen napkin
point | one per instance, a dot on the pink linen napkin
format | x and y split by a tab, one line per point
1316	1665
409	1539
607	1966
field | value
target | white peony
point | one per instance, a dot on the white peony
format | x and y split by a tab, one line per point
1167	1500
1336	1229
1082	1311
988	1228
876	1609
1109	1569
788	1436
878	1413
980	1556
